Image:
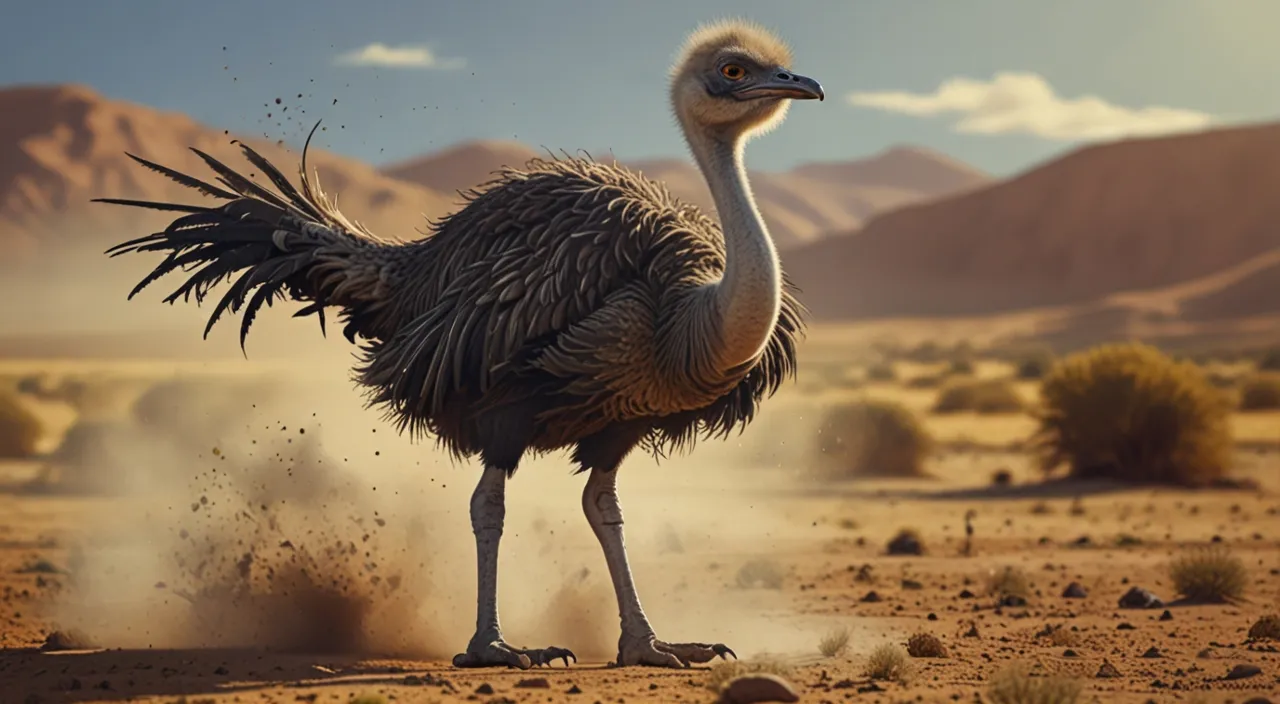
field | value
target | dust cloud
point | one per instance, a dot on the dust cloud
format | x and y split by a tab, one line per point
274	511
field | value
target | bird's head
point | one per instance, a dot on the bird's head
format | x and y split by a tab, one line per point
735	78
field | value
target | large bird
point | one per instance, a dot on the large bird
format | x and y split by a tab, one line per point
569	304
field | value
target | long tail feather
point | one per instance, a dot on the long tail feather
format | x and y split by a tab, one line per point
271	245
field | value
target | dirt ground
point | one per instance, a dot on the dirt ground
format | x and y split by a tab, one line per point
363	548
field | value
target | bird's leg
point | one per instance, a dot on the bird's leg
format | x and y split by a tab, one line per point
638	644
487	648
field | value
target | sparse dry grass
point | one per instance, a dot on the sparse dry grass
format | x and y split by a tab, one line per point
1060	636
724	672
1266	628
835	642
1017	685
1007	582
889	662
1130	412
926	645
1209	575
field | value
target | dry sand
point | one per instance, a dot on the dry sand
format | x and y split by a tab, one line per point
290	547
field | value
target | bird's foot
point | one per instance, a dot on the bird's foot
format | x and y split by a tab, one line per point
648	650
497	653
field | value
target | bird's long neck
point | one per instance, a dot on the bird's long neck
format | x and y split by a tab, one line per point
745	302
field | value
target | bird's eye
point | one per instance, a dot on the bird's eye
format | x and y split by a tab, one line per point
733	72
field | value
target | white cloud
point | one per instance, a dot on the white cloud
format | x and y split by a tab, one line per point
381	55
1025	103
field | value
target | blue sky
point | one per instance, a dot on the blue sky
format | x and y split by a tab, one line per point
590	73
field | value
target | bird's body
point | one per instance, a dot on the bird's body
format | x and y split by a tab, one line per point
569	304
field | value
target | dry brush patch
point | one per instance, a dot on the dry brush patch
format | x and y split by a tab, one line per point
889	662
987	397
20	429
1131	413
1260	392
872	438
1211	575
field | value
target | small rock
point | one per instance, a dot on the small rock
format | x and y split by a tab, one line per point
1075	590
1153	652
1124	626
966	594
534	683
1139	598
1012	600
905	543
1240	672
220	671
760	687
911	584
1107	671
575	689
485	688
871	598
1166	616
1069	653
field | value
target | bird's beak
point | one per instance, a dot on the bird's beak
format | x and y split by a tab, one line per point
784	84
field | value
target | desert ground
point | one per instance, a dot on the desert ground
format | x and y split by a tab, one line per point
250	533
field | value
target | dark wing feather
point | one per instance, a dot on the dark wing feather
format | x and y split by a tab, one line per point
533	253
287	244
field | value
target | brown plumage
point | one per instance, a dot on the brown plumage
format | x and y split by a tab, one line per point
570	303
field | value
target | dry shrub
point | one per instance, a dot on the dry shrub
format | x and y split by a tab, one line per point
836	642
1017	685
1129	412
1266	628
989	397
1209	575
926	381
762	573
881	371
926	645
872	438
1033	365
1270	360
889	662
724	672
1261	392
962	366
20	429
1009	581
1060	636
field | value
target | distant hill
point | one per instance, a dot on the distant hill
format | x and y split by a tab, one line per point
800	206
60	146
1134	215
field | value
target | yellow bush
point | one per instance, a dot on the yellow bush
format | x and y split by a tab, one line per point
873	438
1261	392
989	397
1129	412
19	428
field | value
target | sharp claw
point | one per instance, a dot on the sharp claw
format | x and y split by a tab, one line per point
723	651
